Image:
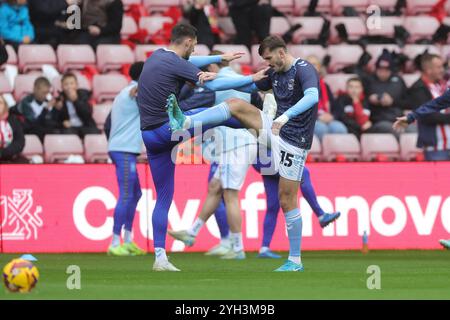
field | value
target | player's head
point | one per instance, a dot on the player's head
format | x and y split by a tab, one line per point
184	36
41	89
354	87
136	70
273	49
432	67
215	67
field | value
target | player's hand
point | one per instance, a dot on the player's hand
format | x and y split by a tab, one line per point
260	74
278	123
206	76
231	56
401	124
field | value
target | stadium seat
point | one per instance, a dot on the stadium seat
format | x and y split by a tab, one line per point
338	5
386	27
129	27
227	25
375	50
154	23
12	56
303	51
33	56
160	5
24	85
96	148
338	81
99	113
421	27
279	26
142	51
413	50
5	87
408	147
338	146
355	26
106	87
414	7
315	154
379	145
301	6
343	55
72	57
384	4
246	59
310	29
257	61
410	78
201	50
113	57
83	82
33	147
58	147
286	6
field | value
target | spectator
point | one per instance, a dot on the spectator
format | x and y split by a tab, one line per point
3	52
354	108
15	24
434	129
249	16
327	115
76	111
202	15
101	22
12	139
48	18
39	110
387	95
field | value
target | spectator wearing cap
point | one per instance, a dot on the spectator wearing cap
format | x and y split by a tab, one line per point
328	115
387	95
12	139
434	128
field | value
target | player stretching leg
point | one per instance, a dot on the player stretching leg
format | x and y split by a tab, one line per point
164	73
124	146
296	88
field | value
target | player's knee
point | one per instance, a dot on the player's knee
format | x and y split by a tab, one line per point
214	187
235	105
287	200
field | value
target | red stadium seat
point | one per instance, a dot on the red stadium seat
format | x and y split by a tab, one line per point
246	59
5	87
24	85
160	5
201	50
421	27
83	82
128	3
143	51
106	87
315	154
378	145
95	148
113	57
310	29
33	146
257	61
74	57
386	27
338	146
338	5
227	25
154	23
58	147
338	81
303	51
355	26
129	27
99	113
279	26
33	56
343	55
408	147
286	6
419	6
301	6
410	78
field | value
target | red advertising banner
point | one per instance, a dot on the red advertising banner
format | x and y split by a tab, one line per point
69	208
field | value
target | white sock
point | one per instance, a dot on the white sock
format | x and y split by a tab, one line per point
115	240
236	240
264	249
128	236
225	242
160	254
195	229
297	260
187	123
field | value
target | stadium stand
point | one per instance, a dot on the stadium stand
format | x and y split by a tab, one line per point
72	57
58	147
33	147
379	147
96	148
340	147
32	57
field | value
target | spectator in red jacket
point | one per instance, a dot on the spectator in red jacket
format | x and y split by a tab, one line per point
354	108
12	139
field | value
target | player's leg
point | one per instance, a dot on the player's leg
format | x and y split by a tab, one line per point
231	198
309	194
125	192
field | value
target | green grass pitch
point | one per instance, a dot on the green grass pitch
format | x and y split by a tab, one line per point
328	275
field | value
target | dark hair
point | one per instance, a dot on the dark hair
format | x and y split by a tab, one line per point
136	70
42	81
427	58
219	53
182	31
354	79
271	43
69	75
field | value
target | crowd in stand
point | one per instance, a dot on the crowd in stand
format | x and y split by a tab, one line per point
370	104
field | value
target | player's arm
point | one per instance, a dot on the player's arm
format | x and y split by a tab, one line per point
234	82
202	61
